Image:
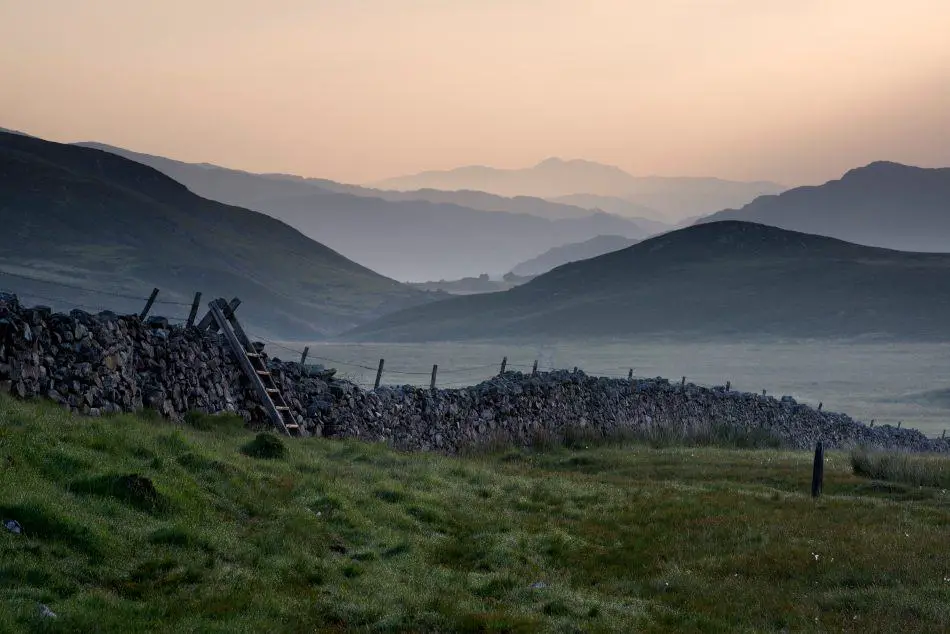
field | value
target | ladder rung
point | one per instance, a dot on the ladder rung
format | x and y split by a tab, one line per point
292	426
263	372
252	354
282	408
272	390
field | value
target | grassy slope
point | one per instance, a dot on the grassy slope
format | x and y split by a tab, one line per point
342	535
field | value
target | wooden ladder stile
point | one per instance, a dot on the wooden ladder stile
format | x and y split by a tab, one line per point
252	363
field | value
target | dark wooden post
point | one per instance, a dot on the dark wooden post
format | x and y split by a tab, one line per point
683	383
504	363
303	356
194	310
534	370
763	392
379	374
728	386
899	424
818	470
435	370
575	369
944	434
872	422
232	306
630	375
148	304
819	406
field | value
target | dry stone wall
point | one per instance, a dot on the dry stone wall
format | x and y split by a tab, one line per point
106	363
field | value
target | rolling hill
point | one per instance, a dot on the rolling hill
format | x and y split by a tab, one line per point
79	218
882	204
407	237
670	198
553	258
722	279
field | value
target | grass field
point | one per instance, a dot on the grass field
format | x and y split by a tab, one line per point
133	525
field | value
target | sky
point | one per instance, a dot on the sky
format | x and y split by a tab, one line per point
796	91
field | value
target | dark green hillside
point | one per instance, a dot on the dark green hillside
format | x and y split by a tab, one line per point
718	279
98	220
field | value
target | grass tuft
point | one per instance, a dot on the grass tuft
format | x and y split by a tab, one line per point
902	467
135	490
266	446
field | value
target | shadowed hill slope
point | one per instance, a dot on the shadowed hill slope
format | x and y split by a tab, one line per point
101	221
718	279
574	252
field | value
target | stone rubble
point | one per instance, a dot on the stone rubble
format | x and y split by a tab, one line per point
107	363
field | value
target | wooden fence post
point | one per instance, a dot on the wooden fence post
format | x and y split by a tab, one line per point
534	370
728	386
575	369
148	304
303	356
194	310
630	375
818	470
683	384
944	435
763	392
504	363
435	370
379	374
819	406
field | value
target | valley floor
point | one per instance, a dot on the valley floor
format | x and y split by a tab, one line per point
337	536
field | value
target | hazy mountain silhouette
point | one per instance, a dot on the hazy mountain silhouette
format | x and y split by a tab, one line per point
720	279
557	256
882	204
409	240
673	198
642	215
482	201
97	220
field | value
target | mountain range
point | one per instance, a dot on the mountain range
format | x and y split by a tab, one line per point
411	240
719	279
78	218
882	204
553	258
665	199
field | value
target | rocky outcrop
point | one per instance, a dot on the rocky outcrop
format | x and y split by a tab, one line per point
105	363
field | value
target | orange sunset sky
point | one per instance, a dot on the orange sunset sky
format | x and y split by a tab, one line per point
356	90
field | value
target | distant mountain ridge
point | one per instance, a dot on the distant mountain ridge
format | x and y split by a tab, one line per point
721	279
410	240
575	252
882	204
672	198
78	218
